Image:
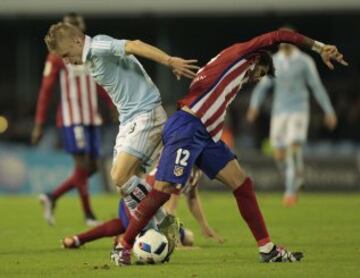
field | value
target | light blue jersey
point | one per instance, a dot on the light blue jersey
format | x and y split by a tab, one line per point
121	75
294	74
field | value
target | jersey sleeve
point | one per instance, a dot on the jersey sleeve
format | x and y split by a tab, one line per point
269	39
107	46
52	67
318	89
259	92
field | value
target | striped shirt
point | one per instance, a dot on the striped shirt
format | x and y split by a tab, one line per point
218	82
79	104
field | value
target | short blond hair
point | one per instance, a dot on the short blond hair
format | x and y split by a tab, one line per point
59	32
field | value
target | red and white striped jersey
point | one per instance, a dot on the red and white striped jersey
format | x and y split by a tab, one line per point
79	103
217	83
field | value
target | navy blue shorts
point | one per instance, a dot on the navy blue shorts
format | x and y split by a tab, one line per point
187	142
79	139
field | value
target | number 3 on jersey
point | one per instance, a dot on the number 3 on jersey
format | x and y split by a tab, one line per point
182	157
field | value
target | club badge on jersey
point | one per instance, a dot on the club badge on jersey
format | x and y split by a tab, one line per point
178	171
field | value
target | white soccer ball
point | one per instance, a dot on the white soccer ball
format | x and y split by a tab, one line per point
151	247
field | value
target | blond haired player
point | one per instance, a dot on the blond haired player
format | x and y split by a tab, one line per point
112	63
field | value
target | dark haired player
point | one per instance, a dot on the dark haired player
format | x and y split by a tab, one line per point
192	136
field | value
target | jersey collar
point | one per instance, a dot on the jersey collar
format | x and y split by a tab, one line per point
86	48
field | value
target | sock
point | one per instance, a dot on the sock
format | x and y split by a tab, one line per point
110	228
250	211
290	174
82	187
143	213
64	187
132	198
281	166
299	167
266	248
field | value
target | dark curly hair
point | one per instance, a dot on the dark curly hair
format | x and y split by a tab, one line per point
265	59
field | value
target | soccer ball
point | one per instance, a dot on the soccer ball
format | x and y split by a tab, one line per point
151	247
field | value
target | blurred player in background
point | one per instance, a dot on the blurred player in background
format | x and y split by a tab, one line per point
117	226
192	136
78	120
295	71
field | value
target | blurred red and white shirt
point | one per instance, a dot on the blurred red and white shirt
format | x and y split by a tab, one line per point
79	103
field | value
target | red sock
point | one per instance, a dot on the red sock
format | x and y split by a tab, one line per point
81	181
250	211
143	213
67	185
112	227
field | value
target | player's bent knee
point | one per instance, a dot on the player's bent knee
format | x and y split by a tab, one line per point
118	177
232	175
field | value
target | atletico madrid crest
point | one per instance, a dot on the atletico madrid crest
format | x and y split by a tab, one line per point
178	171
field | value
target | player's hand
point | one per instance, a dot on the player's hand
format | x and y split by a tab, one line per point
181	67
251	115
210	233
37	134
330	120
330	53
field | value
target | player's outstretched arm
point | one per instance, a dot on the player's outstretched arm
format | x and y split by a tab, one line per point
179	66
195	207
328	53
171	205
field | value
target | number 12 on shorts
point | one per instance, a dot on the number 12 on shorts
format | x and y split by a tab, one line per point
182	156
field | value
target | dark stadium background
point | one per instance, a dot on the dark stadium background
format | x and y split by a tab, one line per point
331	156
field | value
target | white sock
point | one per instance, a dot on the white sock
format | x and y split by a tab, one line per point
281	166
266	248
290	174
299	168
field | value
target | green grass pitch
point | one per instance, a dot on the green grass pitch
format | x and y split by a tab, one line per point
325	226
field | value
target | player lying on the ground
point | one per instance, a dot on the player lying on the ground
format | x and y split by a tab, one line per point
118	225
295	73
113	65
192	136
78	120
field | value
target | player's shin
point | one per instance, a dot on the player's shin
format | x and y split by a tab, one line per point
250	211
110	228
143	213
68	184
281	166
290	174
299	168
